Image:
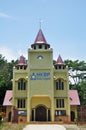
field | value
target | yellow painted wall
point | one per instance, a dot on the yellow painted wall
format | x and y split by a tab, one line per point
41	101
18	74
35	63
43	85
62	94
8	109
45	65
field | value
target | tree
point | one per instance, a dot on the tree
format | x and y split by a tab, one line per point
6	72
82	92
3	77
77	71
77	74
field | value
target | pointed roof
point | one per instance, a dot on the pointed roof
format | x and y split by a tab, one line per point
59	61
7	98
22	61
40	38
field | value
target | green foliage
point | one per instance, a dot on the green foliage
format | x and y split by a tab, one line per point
82	92
54	61
6	70
77	74
77	70
11	126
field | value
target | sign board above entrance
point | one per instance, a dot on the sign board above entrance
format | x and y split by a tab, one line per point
40	76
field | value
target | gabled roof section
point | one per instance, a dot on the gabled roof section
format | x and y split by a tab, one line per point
22	61
59	61
7	99
74	98
40	38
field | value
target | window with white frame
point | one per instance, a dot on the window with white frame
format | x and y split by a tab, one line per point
60	113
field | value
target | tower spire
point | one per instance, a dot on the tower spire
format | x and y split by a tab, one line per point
59	61
40	38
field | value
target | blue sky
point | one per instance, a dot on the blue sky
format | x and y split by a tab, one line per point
64	27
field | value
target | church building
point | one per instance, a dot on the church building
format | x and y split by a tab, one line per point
41	88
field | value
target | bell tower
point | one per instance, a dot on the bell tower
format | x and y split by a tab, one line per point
40	73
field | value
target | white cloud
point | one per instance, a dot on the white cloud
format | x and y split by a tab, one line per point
3	15
22	52
7	53
10	54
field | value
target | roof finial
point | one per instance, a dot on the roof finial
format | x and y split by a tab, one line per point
40	23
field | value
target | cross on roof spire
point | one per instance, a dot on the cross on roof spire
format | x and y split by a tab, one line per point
40	23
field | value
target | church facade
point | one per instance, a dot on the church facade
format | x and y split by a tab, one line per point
41	89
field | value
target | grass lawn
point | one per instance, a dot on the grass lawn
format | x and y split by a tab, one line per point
11	126
79	127
83	127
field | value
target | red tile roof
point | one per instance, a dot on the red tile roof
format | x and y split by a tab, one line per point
59	61
74	98
7	98
22	61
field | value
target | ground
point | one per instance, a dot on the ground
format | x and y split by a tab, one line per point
75	127
11	126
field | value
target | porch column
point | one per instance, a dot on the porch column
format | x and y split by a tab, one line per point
52	110
47	115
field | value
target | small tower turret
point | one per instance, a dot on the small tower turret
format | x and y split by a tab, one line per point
21	63
59	63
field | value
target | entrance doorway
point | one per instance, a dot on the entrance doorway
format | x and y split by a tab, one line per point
72	116
41	113
9	117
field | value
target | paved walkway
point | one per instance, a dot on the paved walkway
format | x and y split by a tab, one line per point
44	127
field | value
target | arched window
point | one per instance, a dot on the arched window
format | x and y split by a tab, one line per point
59	85
22	84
